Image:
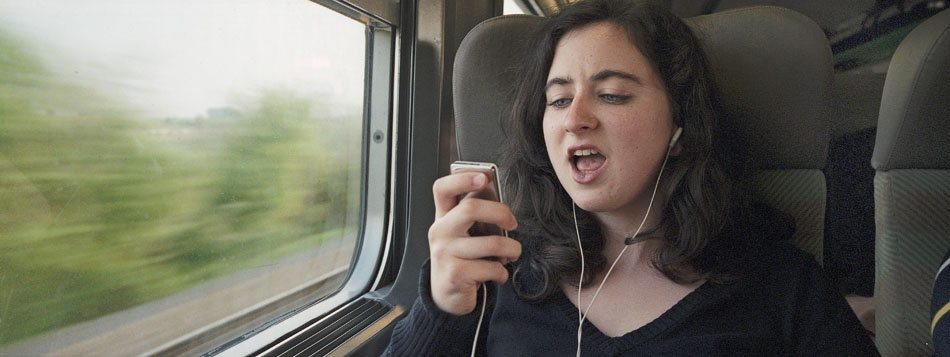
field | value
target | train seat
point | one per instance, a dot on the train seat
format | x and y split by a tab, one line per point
778	99
912	187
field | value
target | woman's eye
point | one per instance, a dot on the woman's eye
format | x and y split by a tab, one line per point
560	103
614	99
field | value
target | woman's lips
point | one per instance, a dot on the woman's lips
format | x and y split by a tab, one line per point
586	168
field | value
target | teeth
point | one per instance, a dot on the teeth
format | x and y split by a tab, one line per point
585	152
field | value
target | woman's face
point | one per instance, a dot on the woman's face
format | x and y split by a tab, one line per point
607	122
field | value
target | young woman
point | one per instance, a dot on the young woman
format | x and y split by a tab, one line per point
633	233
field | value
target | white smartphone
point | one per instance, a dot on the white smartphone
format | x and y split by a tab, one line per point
492	192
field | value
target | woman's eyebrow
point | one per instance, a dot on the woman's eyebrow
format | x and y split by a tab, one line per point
609	73
557	81
599	76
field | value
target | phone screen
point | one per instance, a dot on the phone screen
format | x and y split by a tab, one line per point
491	192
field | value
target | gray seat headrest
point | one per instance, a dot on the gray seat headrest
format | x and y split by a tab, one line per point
774	70
913	129
773	66
484	82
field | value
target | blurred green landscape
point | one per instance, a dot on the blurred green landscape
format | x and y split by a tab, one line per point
102	211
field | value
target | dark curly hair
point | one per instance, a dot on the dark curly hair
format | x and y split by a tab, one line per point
699	224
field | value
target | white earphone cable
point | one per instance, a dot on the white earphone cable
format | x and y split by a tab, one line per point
482	315
583	316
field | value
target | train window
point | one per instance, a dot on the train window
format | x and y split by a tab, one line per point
173	169
870	38
513	7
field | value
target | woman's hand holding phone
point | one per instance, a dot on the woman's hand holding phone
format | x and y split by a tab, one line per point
460	262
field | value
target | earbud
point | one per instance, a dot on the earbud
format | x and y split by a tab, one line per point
676	136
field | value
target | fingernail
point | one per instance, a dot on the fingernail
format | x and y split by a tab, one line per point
479	180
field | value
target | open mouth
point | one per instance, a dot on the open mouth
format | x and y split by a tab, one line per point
586	164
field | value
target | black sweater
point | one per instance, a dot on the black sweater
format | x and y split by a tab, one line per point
782	306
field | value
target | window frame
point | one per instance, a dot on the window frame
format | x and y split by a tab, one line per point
420	127
374	238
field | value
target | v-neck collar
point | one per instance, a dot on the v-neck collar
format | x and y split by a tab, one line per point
697	299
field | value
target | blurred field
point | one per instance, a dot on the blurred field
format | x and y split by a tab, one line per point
101	210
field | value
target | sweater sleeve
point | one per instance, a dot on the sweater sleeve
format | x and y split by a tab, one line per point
820	321
429	331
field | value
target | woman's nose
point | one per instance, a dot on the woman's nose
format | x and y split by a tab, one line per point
580	117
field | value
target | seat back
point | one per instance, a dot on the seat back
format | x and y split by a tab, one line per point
774	70
912	187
